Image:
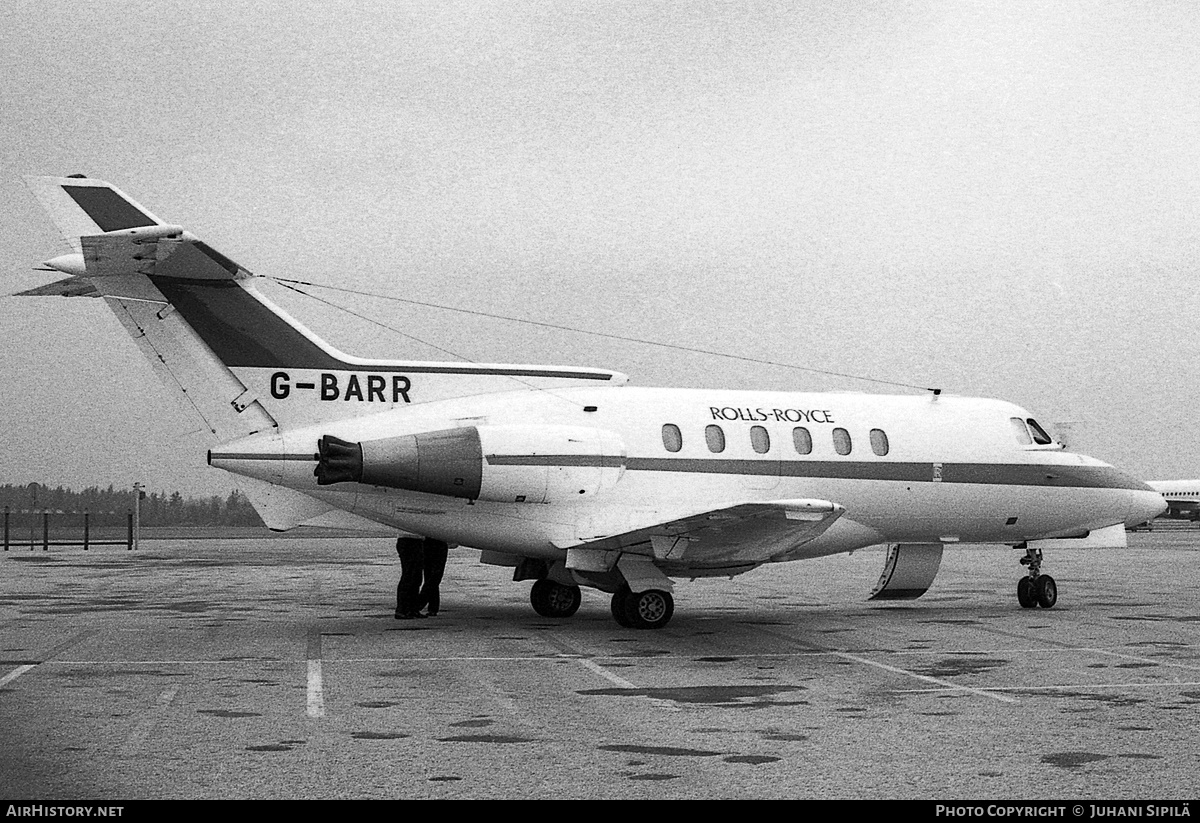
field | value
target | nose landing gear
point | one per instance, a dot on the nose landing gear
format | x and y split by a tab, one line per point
1036	589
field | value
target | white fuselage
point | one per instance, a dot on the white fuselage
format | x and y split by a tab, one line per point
952	469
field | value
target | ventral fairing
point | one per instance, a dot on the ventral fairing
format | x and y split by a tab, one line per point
567	474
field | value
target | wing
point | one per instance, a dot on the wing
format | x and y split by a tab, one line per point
722	541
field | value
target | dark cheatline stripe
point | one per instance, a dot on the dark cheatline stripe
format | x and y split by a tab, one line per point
109	210
999	474
591	460
242	331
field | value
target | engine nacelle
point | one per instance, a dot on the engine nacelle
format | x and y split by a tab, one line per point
505	464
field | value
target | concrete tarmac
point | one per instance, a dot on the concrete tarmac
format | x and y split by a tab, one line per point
273	668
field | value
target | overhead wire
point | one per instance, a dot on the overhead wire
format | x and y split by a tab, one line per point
291	284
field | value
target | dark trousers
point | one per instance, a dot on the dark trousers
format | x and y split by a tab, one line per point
412	562
435	566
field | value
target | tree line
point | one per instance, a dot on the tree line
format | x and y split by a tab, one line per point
111	506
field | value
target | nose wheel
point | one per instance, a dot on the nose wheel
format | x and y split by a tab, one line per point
1036	589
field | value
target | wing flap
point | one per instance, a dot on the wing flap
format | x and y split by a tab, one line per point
740	536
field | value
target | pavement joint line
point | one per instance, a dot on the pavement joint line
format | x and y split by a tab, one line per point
947	685
894	669
589	662
616	679
316	697
1154	660
145	725
1069	687
66	644
15	673
580	655
316	690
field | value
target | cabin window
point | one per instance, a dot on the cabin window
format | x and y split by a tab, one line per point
672	437
715	437
759	439
1039	434
879	442
802	440
841	441
1021	431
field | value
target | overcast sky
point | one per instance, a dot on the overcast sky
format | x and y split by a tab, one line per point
994	198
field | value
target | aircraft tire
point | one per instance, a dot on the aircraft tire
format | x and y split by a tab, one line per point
650	609
550	599
1026	593
618	607
1047	591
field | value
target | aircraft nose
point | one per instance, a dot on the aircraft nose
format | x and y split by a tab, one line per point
1144	505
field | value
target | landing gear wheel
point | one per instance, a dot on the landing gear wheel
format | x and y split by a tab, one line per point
651	609
550	599
1047	591
1026	594
618	607
1035	589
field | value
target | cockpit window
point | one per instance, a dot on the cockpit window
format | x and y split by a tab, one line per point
1039	434
1021	431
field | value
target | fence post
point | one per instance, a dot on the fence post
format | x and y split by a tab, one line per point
6	528
85	530
137	516
45	529
129	542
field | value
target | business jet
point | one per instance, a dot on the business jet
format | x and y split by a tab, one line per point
1182	498
569	475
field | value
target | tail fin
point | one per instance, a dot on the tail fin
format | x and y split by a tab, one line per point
240	362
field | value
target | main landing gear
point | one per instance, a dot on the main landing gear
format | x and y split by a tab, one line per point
1036	589
649	609
554	593
551	599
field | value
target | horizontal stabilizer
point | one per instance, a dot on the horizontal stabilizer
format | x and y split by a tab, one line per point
82	207
68	287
